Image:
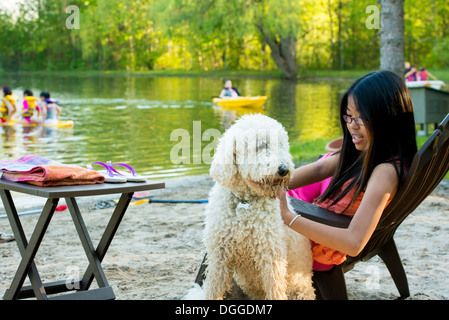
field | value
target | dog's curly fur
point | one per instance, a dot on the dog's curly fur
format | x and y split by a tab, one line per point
245	237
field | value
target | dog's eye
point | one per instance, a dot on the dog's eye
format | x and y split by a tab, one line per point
261	146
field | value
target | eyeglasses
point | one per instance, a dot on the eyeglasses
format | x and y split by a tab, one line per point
357	120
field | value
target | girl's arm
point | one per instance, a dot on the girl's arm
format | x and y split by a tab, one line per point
314	172
408	74
58	111
380	188
44	110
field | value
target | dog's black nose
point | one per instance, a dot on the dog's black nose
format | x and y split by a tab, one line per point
282	170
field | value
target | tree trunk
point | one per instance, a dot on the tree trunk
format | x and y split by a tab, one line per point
283	52
331	29
341	44
392	36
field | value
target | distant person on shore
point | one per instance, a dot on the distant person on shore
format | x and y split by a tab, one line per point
29	108
410	73
50	108
8	106
228	91
424	75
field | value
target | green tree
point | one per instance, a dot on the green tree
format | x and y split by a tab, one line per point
227	25
287	35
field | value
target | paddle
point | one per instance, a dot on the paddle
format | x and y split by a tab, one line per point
167	201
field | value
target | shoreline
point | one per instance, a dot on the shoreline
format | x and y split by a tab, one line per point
158	247
305	75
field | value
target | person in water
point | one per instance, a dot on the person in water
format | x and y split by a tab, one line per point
228	91
50	108
8	105
376	116
29	108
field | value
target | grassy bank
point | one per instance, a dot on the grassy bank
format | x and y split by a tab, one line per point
440	74
306	152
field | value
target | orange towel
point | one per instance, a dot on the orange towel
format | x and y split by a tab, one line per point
44	172
56	176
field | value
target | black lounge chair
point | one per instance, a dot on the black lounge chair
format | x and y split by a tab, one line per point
429	166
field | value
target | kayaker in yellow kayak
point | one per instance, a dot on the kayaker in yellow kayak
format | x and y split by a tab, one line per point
228	91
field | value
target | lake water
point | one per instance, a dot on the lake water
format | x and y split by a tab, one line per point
130	119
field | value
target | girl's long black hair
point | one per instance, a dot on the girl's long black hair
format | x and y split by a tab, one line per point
384	104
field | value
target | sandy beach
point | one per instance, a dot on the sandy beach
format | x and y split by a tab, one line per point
157	249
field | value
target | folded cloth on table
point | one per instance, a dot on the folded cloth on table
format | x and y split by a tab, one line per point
40	171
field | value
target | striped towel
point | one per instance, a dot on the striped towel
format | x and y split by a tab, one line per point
40	171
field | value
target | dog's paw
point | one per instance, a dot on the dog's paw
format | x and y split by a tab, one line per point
195	293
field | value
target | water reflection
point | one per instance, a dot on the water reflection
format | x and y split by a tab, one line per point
130	118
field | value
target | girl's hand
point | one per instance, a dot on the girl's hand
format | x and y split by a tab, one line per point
282	195
286	214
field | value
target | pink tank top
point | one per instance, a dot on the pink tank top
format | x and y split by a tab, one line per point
329	256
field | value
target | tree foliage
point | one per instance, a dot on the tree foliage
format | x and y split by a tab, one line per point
288	35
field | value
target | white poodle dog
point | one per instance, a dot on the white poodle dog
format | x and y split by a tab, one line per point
245	237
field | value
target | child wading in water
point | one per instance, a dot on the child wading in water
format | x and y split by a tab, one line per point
8	105
50	108
379	143
29	107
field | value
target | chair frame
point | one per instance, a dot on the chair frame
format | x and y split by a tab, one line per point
429	166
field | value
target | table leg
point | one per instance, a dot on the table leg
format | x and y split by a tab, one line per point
92	256
27	250
107	237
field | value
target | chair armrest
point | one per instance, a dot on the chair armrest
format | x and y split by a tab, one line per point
318	214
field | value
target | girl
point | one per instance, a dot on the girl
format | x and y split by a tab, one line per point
50	108
29	107
378	146
8	106
228	91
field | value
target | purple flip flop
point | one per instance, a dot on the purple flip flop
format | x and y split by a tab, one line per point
131	177
108	174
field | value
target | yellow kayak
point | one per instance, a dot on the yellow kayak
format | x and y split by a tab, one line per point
248	102
60	124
